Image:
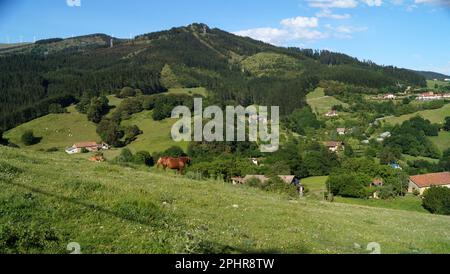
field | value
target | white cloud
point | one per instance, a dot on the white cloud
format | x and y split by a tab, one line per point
291	29
329	14
345	32
73	3
300	22
268	35
375	3
327	4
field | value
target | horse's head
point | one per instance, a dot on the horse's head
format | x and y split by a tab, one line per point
161	161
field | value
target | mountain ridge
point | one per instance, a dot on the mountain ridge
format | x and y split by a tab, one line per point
61	71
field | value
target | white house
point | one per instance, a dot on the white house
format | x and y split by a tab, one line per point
429	96
332	113
89	146
334	146
389	97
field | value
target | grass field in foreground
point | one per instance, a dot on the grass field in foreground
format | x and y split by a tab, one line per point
434	115
57	130
320	103
113	209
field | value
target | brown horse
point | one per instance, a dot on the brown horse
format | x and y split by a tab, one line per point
174	163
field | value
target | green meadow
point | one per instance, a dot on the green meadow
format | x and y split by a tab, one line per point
320	103
434	115
57	130
55	200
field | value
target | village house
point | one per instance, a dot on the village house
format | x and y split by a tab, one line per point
341	131
389	97
384	136
332	113
429	96
334	146
89	146
423	182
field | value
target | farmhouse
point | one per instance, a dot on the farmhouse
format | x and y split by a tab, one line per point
429	96
89	146
332	113
423	182
389	97
334	146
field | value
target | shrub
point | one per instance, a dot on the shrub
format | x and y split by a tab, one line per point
143	158
387	192
127	92
174	151
349	185
437	200
254	182
125	156
29	139
275	184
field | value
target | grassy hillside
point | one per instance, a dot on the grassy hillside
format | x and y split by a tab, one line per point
431	84
63	130
442	141
268	63
435	115
320	103
51	199
57	130
156	135
189	91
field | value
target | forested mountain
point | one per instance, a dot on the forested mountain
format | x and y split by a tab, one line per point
235	69
429	75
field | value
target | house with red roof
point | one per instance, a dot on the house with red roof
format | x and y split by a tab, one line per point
423	182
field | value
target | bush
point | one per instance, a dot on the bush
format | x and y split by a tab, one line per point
447	124
125	156
349	185
29	139
254	182
275	184
437	200
127	92
84	150
174	151
143	158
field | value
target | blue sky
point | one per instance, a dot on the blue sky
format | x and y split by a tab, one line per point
407	33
